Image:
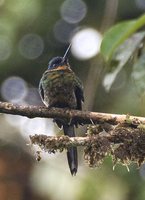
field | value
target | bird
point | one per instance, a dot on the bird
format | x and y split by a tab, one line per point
60	87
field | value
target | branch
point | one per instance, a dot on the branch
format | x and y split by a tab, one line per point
121	136
125	144
85	117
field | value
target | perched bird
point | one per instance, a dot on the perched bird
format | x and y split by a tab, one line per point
60	87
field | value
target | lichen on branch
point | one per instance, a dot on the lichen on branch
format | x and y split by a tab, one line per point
124	143
121	136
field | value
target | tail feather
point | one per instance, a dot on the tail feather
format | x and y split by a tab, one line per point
72	156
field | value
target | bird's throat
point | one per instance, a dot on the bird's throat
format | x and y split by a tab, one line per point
63	67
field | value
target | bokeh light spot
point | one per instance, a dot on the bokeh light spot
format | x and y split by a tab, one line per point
63	31
33	97
14	89
5	48
2	2
31	46
140	4
24	11
73	11
31	126
86	43
15	120
37	126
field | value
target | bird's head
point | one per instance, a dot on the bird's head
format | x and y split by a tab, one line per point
59	61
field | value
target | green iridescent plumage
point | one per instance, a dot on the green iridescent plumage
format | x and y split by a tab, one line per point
60	87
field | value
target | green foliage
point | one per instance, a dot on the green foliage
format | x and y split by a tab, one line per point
122	47
125	55
138	73
118	34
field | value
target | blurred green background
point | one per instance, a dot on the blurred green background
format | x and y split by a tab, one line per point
31	33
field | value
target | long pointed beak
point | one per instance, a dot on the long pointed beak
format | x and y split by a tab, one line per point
66	53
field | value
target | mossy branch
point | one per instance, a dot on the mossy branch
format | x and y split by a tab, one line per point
124	142
121	136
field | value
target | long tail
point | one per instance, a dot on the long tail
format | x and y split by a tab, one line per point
72	155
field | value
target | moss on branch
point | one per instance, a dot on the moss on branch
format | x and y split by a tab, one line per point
124	143
121	136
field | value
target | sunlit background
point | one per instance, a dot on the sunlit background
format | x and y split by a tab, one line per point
31	33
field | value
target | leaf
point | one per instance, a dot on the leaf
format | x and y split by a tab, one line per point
138	73
118	34
122	56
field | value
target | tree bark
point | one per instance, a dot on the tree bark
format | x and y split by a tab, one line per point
121	136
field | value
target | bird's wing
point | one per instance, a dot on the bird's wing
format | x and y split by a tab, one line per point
41	91
79	93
